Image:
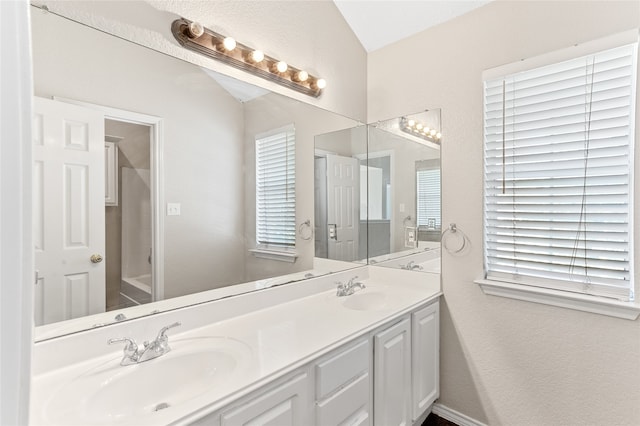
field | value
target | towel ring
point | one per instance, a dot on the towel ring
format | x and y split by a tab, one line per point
305	230
451	230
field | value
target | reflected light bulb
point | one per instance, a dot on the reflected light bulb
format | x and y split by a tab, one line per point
302	76
229	43
419	126
257	56
195	29
433	132
438	135
281	66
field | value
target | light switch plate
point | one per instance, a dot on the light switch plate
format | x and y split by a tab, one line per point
173	209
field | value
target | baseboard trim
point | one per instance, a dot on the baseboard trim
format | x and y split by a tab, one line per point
454	416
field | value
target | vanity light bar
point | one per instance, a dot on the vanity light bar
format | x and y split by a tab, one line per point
193	36
419	129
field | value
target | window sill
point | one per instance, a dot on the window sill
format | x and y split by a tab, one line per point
279	255
576	301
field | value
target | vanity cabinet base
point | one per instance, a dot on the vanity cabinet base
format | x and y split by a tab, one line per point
389	377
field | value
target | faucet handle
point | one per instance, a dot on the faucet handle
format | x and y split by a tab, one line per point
131	345
163	330
351	281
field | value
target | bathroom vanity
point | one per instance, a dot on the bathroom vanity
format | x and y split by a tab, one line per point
292	354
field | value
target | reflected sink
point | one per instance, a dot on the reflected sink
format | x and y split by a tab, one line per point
110	393
365	300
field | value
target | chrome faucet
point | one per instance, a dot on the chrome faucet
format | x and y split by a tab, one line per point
411	266
349	288
150	350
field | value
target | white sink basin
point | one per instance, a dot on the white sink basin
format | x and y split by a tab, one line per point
110	393
364	300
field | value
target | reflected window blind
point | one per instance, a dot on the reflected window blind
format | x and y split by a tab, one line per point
428	198
276	189
557	181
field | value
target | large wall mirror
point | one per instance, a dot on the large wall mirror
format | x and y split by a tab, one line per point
186	214
403	169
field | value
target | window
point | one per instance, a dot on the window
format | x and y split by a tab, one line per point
557	175
276	190
428	194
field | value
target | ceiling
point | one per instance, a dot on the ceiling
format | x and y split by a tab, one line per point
378	23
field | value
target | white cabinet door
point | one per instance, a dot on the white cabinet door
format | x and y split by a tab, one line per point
110	174
392	376
425	357
286	404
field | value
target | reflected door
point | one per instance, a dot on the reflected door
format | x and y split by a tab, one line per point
343	203
68	211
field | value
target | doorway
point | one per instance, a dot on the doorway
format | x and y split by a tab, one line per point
128	231
89	195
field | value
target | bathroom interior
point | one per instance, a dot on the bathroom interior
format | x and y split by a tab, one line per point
181	254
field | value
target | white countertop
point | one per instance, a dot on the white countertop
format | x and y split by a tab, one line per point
277	331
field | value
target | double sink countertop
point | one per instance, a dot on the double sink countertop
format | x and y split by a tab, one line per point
223	350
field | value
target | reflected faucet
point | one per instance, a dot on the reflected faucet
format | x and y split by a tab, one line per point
134	355
349	288
411	266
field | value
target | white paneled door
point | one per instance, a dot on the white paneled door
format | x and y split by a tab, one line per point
68	210
343	204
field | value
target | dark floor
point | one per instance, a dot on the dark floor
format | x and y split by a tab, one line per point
434	420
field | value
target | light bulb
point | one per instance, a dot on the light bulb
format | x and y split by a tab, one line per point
411	123
426	130
195	30
321	83
282	66
229	43
257	56
301	76
438	135
433	132
419	126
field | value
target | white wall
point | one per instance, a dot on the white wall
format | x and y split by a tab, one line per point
203	130
507	362
307	34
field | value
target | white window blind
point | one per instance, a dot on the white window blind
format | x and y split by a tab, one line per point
428	198
558	160
276	189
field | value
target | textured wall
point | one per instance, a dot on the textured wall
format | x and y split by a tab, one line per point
507	362
307	34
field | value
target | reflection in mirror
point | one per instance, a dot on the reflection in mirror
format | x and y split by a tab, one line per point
158	199
403	170
340	199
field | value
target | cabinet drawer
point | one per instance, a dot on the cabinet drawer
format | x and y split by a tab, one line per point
341	368
287	404
348	406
